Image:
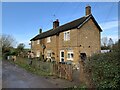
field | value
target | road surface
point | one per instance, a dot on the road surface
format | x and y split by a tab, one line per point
15	77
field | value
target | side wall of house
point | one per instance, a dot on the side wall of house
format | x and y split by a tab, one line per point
37	48
89	38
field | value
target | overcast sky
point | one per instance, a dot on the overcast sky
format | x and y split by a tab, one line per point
24	19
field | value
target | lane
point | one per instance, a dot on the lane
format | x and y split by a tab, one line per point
16	77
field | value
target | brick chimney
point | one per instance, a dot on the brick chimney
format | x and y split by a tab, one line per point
40	31
55	23
88	10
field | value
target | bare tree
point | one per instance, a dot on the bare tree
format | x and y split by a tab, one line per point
6	41
110	42
104	41
20	48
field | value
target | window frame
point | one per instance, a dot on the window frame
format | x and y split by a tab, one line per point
66	35
62	57
37	53
48	39
70	53
38	41
49	52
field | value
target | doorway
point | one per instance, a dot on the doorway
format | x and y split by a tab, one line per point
83	56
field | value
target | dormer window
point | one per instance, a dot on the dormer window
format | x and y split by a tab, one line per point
48	39
66	35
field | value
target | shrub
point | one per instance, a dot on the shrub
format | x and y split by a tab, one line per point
104	69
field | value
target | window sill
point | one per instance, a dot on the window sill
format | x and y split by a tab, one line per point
70	59
48	42
66	40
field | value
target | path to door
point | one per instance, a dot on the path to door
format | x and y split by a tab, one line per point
16	77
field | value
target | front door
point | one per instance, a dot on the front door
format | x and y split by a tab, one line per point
62	56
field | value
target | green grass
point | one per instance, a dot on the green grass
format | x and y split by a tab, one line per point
0	58
81	87
24	63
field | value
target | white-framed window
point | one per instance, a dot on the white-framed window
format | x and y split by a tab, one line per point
62	55
49	54
70	55
38	41
48	39
38	54
66	35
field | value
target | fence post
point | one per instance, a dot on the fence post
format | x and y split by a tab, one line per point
81	71
65	72
59	68
50	68
70	73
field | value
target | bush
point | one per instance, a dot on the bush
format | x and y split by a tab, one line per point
104	69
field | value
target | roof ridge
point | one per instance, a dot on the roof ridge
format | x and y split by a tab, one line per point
64	24
67	26
76	19
72	21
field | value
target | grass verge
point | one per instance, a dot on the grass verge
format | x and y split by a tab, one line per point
23	62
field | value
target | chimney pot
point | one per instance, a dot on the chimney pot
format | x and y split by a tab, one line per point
40	31
55	23
88	10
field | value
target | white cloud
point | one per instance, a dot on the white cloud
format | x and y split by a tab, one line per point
114	37
109	25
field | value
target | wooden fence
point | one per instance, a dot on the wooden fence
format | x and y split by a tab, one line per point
62	70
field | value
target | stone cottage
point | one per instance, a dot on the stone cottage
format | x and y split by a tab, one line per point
73	41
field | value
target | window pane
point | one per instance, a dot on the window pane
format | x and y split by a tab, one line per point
68	55
62	54
65	36
37	54
62	59
38	41
50	54
49	39
68	35
71	55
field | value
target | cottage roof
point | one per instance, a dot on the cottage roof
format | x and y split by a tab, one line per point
78	23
